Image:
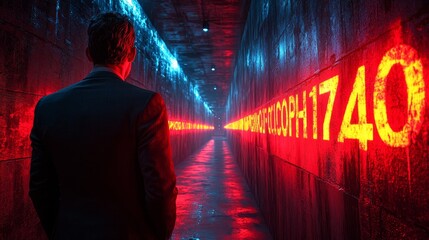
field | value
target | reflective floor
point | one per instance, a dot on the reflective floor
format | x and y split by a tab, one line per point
214	201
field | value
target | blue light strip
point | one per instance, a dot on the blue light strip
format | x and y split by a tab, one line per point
133	9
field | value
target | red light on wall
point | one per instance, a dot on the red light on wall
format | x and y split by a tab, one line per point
287	116
180	126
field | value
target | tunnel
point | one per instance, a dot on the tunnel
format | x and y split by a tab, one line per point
287	119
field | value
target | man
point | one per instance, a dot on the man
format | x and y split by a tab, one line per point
101	165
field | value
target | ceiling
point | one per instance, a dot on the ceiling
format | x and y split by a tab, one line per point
180	24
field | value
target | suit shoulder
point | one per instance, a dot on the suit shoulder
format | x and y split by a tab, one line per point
55	96
141	92
154	100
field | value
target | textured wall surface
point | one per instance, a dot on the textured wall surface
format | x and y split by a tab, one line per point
330	117
42	50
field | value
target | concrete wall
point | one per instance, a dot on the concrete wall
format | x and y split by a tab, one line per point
329	105
42	50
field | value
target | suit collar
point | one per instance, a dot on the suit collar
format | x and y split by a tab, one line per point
102	74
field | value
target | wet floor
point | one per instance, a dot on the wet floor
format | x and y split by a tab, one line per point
214	201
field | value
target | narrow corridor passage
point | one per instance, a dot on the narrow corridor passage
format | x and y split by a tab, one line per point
214	201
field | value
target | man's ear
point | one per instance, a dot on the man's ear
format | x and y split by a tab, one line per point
88	55
132	54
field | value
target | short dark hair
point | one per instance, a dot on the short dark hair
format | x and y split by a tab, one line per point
110	38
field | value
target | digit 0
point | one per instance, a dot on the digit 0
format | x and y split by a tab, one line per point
405	56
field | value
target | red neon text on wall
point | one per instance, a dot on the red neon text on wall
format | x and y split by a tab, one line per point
178	126
279	117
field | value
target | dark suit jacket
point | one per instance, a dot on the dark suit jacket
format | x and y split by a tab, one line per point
101	165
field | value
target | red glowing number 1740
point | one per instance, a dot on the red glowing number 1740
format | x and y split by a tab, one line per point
278	116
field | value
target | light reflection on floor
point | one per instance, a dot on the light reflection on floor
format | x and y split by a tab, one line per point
214	201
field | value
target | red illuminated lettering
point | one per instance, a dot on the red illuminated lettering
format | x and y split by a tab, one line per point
412	66
270	119
265	122
284	117
291	113
330	86
178	126
361	131
278	116
301	114
313	95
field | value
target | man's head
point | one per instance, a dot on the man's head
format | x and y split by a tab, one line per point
111	39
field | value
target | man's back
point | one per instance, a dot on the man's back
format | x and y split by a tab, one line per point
109	146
